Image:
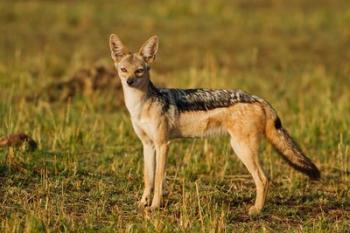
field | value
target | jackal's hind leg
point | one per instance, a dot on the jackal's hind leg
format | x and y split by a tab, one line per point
247	151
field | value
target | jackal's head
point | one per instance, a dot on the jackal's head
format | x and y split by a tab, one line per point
133	68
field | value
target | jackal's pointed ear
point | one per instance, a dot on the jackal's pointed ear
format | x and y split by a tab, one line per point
118	50
149	49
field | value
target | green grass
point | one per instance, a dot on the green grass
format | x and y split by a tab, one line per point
86	175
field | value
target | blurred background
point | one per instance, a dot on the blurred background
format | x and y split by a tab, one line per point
57	84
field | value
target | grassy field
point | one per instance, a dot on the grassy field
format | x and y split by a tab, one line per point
86	174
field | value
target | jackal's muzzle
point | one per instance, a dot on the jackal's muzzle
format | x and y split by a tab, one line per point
131	81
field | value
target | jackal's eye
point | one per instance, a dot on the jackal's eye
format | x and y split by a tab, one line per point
139	71
124	70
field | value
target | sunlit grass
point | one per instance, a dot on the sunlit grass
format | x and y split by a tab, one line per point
87	173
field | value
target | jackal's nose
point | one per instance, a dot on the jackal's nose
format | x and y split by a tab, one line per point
130	81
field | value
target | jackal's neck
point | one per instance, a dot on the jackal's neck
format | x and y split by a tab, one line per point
151	89
135	98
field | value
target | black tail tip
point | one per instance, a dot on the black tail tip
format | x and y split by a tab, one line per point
314	174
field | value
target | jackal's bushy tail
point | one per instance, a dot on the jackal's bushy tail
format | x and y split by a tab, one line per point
286	146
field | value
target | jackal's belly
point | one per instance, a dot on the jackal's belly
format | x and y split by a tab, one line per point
200	123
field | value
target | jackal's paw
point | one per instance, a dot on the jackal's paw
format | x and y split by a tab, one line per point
155	205
254	211
144	202
152	209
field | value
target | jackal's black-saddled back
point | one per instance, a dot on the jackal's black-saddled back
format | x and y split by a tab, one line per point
200	99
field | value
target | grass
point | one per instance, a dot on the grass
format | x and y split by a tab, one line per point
86	175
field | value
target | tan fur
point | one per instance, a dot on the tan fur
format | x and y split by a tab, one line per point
245	123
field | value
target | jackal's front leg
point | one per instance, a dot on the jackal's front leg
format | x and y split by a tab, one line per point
149	169
161	156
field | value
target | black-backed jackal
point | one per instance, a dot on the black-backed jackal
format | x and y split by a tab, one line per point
160	114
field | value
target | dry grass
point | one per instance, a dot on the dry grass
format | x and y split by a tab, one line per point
86	174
